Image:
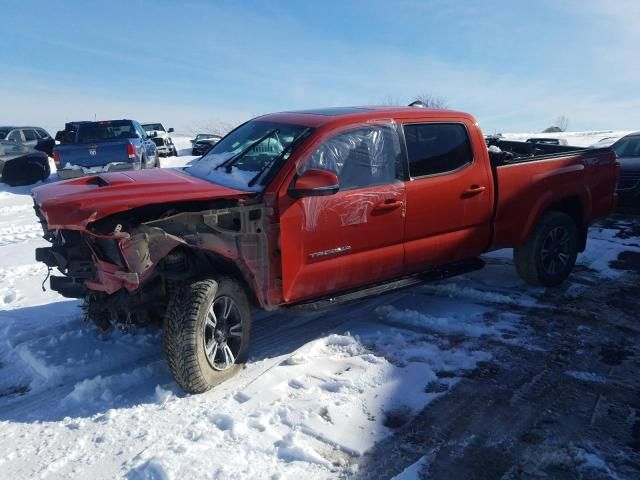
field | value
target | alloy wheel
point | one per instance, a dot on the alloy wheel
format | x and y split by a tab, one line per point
556	251
222	333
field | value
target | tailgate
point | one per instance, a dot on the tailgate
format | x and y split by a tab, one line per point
93	154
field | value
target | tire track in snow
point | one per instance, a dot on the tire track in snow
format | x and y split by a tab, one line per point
19	234
276	334
22	271
13	209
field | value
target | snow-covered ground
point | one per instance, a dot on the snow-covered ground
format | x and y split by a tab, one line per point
320	390
576	139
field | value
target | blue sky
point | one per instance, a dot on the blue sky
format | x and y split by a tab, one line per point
515	65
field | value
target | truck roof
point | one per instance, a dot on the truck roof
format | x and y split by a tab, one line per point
343	115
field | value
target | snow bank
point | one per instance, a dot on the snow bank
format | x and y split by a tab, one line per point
577	139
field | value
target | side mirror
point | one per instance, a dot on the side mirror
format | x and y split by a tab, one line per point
152	134
171	130
315	183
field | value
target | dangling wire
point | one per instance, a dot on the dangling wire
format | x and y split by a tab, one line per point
46	278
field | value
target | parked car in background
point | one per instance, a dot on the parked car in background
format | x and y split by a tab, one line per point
161	138
105	146
202	136
165	146
549	141
21	165
32	137
313	208
628	151
202	146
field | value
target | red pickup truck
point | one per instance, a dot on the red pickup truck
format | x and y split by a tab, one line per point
308	208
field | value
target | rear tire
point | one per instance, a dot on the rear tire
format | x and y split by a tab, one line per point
207	331
549	254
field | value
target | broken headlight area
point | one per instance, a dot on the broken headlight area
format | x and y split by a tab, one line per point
107	250
69	253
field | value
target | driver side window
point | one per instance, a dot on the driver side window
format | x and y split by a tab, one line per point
361	157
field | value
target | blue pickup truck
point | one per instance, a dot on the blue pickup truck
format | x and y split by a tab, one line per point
106	146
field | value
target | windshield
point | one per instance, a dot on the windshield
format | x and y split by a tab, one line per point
100	131
628	147
150	127
276	137
605	142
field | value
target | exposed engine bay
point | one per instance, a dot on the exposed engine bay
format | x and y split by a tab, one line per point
125	265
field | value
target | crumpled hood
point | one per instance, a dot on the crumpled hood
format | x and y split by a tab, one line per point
73	204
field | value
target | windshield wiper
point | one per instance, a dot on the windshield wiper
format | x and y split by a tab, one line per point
229	163
279	158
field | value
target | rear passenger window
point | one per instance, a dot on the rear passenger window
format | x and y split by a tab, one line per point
42	133
29	135
435	148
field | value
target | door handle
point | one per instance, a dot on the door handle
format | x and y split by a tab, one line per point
388	204
473	190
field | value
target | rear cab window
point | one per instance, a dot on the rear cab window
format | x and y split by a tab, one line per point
105	131
437	148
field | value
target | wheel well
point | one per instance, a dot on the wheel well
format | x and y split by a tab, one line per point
573	207
184	263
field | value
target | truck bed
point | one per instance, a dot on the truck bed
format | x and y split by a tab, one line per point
518	152
525	182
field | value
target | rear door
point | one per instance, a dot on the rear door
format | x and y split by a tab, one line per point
449	195
354	237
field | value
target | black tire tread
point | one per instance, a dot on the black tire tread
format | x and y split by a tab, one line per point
180	332
525	256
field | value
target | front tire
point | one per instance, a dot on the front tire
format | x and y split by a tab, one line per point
207	332
549	254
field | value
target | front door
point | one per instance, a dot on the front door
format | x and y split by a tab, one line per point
355	236
449	196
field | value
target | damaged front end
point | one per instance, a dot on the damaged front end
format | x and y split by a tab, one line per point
126	265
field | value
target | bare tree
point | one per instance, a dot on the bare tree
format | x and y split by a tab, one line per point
562	122
431	101
391	101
